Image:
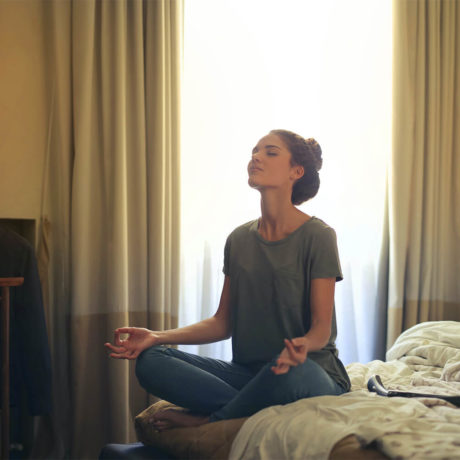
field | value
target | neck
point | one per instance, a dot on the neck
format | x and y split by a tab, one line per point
279	216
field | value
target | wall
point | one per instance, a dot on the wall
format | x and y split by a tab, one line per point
23	108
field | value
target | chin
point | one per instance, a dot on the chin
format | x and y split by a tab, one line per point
252	183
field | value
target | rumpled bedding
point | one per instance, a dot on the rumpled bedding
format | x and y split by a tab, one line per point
425	358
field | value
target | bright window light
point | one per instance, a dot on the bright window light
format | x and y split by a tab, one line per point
320	68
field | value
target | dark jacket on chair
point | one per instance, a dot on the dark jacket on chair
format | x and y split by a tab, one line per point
29	349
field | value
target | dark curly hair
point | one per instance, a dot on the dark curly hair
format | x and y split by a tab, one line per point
306	153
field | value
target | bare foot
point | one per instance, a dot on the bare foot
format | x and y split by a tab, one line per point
171	418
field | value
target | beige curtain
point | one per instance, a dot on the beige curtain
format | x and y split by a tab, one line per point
112	202
424	213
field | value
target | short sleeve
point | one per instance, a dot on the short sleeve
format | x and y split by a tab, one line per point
325	262
226	268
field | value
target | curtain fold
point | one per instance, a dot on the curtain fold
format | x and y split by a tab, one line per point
112	199
163	54
424	183
52	434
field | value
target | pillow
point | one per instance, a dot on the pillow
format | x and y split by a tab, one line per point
208	441
441	333
432	343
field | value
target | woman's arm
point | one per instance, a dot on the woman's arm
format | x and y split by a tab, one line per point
213	329
322	306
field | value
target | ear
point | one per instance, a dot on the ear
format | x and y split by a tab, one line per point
297	172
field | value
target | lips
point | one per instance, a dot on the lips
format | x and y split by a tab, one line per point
254	168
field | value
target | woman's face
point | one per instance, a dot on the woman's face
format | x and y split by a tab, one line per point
270	165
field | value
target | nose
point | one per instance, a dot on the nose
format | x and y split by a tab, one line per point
256	157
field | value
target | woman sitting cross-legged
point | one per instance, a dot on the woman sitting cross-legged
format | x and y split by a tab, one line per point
277	304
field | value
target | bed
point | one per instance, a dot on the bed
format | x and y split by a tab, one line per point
357	425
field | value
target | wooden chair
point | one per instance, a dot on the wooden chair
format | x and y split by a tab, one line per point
5	284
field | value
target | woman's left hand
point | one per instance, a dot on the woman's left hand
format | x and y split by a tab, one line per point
293	354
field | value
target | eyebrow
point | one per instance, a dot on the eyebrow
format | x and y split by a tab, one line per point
267	147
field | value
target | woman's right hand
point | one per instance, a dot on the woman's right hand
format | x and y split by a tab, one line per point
137	341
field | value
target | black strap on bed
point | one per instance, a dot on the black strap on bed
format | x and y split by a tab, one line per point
375	385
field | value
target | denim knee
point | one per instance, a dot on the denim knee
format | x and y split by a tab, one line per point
144	363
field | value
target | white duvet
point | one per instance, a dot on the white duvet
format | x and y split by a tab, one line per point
425	358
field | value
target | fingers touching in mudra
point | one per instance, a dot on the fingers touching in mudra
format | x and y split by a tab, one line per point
293	354
137	340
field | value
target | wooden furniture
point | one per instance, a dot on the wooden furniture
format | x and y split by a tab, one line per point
5	284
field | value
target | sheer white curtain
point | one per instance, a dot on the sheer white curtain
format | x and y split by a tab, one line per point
322	69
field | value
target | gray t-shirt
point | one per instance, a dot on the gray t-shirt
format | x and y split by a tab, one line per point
270	291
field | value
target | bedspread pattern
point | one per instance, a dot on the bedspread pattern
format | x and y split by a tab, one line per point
426	358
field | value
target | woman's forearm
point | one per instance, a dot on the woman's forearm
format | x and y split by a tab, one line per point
318	336
209	330
213	329
322	307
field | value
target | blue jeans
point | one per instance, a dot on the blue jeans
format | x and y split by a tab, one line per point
225	390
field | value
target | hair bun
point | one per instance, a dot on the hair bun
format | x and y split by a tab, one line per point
315	149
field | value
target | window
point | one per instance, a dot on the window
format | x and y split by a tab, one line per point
319	68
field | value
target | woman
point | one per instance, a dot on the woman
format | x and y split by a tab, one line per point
277	304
